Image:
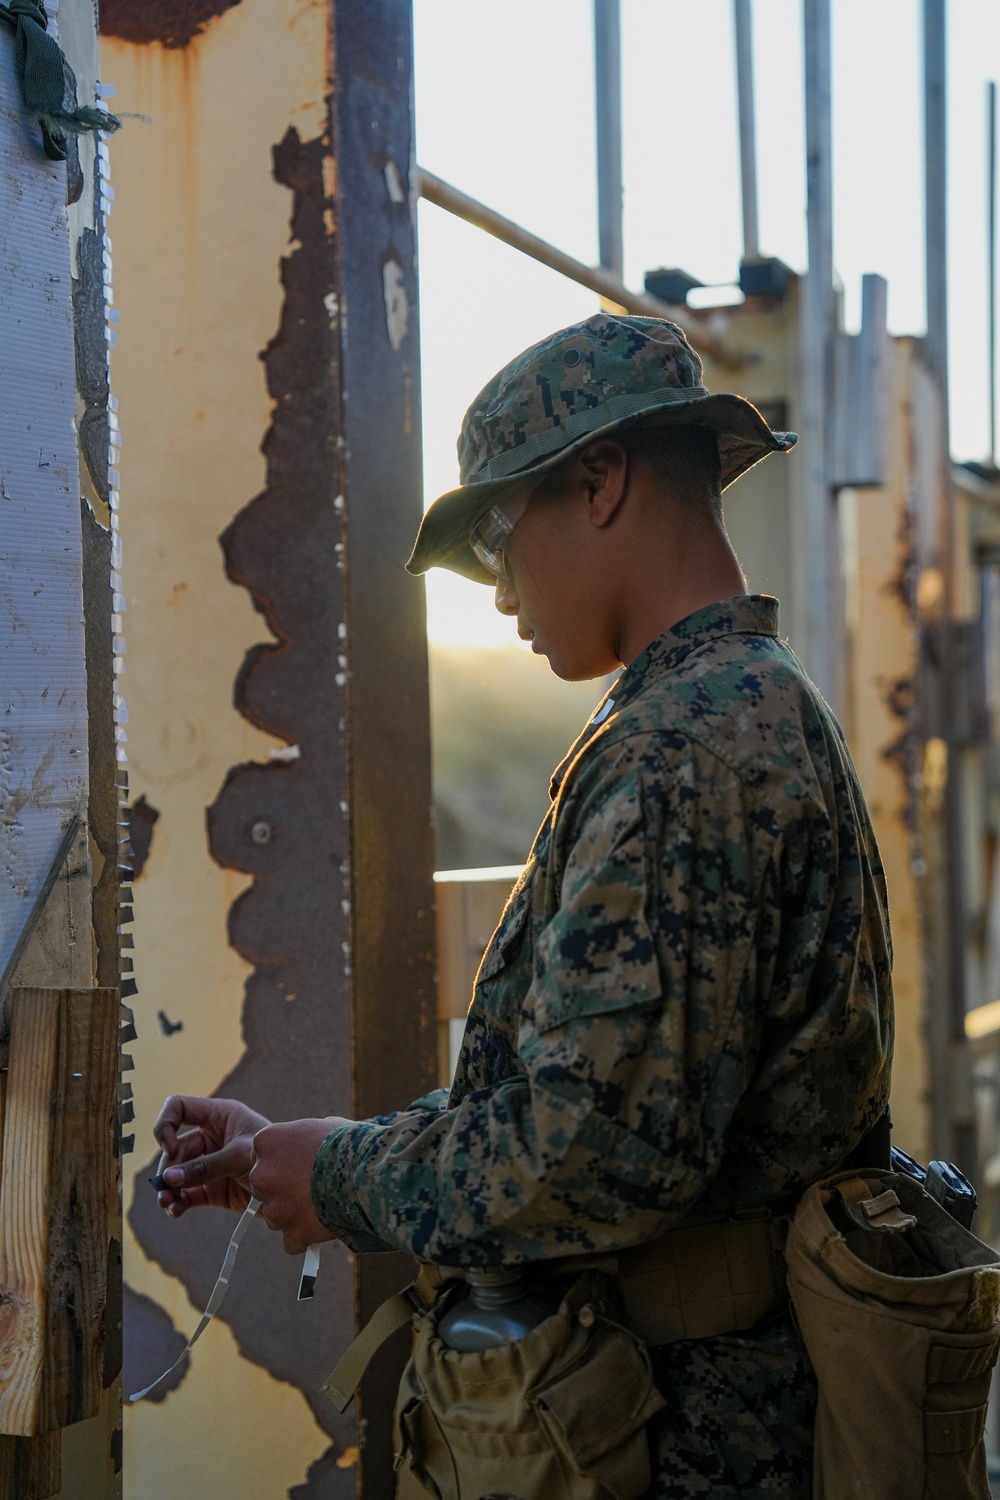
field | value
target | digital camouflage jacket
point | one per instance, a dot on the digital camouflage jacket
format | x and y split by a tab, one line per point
687	1003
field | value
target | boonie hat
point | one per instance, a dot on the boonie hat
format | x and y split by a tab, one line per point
582	383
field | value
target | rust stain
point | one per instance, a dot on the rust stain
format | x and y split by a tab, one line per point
901	696
173	23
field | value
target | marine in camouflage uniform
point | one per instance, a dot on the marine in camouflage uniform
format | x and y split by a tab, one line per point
687	1003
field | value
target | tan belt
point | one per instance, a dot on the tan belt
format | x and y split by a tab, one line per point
696	1282
704	1280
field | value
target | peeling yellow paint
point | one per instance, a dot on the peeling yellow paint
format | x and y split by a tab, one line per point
198	233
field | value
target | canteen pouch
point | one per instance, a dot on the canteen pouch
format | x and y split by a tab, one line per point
897	1305
559	1415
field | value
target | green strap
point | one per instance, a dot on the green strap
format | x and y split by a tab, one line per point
342	1385
41	69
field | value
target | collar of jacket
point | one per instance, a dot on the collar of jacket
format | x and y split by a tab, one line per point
745	614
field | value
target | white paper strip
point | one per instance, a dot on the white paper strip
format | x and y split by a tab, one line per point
215	1300
310	1270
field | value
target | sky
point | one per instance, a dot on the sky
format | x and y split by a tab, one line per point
505	111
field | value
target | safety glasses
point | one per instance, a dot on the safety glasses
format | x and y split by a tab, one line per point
488	538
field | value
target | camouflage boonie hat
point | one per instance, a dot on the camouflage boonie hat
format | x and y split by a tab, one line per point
584	382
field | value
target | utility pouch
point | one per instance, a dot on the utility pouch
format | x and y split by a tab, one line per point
897	1305
558	1415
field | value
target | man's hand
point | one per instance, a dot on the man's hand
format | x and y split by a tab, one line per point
280	1178
207	1153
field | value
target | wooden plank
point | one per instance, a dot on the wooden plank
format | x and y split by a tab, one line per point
57	1178
31	1468
468	905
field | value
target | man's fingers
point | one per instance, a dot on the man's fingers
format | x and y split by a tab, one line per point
195	1198
178	1110
233	1160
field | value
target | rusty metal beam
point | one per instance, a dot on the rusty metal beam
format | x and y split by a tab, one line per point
388	726
596	278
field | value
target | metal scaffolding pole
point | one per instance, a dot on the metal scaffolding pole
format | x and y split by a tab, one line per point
817	547
935	143
991	243
954	1131
596	278
748	139
608	88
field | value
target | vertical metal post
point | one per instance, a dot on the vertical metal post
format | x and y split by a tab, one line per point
953	1128
991	254
817	542
935	141
394	1052
608	88
748	138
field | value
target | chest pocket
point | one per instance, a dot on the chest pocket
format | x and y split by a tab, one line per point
599	965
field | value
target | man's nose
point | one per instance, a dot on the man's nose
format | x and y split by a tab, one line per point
506	599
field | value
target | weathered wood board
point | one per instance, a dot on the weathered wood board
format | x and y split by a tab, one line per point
57	1176
31	1468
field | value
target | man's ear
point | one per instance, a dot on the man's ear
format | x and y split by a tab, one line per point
604	465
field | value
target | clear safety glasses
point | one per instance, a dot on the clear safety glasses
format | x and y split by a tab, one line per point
488	538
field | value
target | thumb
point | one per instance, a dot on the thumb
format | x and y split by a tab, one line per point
232	1160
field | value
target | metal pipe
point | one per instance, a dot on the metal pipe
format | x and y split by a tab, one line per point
608	90
594	277
748	132
991	240
817	548
935	145
950	1110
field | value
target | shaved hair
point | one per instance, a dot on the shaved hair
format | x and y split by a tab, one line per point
686	459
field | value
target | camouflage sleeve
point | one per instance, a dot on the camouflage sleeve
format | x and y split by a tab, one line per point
637	1035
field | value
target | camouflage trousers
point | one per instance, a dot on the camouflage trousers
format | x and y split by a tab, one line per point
739	1417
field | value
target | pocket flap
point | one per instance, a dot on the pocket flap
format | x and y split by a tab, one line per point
595	967
606	1398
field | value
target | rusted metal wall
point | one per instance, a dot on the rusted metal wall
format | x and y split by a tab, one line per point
883	727
286	227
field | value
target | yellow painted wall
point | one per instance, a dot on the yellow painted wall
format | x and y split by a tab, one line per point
198	232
